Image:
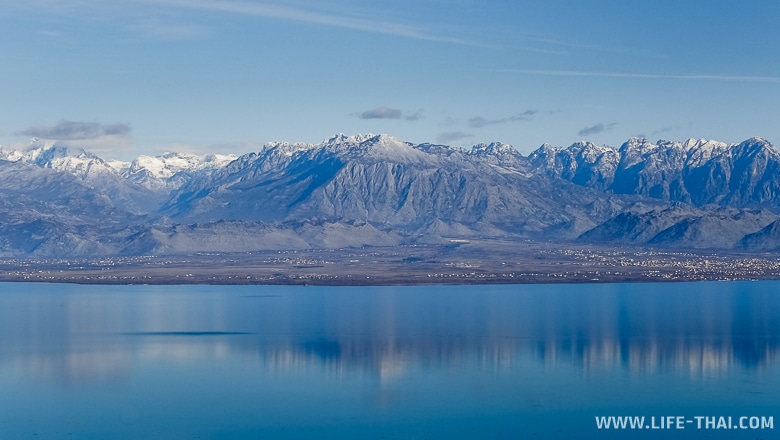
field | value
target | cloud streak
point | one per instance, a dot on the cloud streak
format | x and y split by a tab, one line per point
307	15
664	130
577	73
452	136
479	121
596	129
75	131
312	12
106	140
381	113
388	113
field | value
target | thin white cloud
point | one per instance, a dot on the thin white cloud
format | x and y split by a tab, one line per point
106	140
302	12
596	129
389	113
479	121
577	73
381	113
453	136
77	130
307	15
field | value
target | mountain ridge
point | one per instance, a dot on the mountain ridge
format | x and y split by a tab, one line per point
371	190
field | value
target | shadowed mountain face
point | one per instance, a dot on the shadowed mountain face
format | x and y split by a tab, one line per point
378	190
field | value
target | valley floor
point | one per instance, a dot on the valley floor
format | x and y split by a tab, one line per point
459	262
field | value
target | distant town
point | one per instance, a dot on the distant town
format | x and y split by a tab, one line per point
460	262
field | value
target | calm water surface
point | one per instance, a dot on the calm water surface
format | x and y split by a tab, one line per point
504	362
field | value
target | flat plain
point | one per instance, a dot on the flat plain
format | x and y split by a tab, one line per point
458	262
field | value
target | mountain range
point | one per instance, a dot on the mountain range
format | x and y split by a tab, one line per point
377	190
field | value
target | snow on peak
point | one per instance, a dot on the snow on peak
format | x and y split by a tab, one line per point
546	148
641	145
47	154
337	142
384	141
168	164
756	145
171	170
336	139
701	151
590	148
374	146
592	153
758	140
341	139
286	148
40	152
493	148
387	148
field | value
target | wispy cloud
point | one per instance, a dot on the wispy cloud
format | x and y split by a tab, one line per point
388	113
73	130
308	12
664	130
697	77
107	140
596	129
453	136
414	116
479	121
381	113
310	15
168	30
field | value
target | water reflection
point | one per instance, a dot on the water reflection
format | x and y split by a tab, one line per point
83	334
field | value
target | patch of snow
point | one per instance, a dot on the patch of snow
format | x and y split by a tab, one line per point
168	164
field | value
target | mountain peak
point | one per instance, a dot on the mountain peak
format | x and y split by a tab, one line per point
493	148
48	154
167	165
758	140
756	148
375	189
388	148
42	150
638	144
341	138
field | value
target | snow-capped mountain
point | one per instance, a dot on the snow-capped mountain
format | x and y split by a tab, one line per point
138	186
171	170
697	172
379	190
155	173
91	171
380	180
75	161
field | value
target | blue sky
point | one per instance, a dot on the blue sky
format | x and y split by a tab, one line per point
129	77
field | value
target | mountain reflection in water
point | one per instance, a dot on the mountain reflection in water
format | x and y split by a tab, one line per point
84	334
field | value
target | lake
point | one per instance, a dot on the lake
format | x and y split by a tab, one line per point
432	362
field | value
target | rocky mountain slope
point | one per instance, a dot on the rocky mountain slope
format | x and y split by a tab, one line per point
351	191
696	172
